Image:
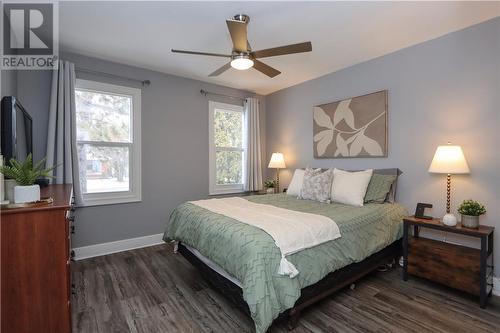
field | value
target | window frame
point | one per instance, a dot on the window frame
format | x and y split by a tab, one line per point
214	188
134	194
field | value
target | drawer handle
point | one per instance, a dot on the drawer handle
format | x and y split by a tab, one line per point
72	229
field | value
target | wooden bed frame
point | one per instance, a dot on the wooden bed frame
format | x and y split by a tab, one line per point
309	295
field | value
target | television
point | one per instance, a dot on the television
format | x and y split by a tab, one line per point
17	130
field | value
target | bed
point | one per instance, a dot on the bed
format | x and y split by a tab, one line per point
241	259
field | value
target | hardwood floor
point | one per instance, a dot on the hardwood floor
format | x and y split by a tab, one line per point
154	290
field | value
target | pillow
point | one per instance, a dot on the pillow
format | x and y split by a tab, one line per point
379	188
317	185
350	187
393	171
296	183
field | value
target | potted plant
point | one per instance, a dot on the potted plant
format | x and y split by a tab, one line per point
270	186
25	174
470	211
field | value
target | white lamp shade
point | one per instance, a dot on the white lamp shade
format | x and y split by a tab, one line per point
449	159
277	161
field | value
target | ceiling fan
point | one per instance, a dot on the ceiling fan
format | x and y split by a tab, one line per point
242	56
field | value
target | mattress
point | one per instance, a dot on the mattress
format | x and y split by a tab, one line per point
249	255
213	265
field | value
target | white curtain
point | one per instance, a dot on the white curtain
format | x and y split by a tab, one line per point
61	135
253	170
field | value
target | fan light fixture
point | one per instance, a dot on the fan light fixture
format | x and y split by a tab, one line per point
241	62
242	57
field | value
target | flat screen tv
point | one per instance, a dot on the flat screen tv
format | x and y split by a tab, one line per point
17	130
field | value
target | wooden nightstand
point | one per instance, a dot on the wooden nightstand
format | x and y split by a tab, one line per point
456	266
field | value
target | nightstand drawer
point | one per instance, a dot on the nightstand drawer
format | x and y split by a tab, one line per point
452	265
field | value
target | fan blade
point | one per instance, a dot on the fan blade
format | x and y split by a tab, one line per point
202	53
266	69
221	70
283	50
238	31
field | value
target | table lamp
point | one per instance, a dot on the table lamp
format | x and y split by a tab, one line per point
277	162
450	160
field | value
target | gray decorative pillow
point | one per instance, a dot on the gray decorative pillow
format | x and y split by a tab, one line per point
317	185
379	188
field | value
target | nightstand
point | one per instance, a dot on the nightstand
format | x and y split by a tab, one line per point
261	192
460	267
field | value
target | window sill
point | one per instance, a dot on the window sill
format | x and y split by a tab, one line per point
105	201
222	193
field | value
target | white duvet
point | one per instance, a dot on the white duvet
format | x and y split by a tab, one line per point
292	231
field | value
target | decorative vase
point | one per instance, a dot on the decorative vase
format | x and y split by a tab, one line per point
470	221
270	190
450	220
9	185
23	194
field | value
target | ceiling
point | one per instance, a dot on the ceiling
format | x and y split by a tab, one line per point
342	34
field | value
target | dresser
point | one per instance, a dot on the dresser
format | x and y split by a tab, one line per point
35	276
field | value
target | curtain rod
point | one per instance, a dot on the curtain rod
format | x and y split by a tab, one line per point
204	92
144	83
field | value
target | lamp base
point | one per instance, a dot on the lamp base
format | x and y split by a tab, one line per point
450	220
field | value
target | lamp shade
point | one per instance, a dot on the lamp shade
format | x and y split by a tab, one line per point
277	161
449	159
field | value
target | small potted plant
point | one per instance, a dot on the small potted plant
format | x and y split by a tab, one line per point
470	211
270	186
25	174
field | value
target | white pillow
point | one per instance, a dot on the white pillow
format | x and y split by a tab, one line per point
296	183
350	187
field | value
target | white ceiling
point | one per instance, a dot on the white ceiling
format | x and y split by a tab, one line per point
342	34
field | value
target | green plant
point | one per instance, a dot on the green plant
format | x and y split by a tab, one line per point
25	173
471	208
270	184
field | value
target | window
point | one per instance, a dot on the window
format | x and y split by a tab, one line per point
108	134
227	152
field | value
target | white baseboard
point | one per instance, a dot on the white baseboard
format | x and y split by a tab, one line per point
96	250
496	286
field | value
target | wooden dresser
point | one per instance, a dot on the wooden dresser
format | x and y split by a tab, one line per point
35	286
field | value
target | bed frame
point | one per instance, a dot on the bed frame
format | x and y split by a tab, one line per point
309	295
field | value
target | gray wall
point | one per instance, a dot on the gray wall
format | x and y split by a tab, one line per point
9	83
444	89
174	147
33	91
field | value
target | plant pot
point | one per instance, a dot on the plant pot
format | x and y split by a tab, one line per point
469	221
270	191
24	194
9	185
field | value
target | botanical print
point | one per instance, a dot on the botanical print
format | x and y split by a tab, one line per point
355	127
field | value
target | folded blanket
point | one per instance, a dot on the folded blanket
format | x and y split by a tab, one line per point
292	231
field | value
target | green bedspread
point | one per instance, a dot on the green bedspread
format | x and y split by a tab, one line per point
250	255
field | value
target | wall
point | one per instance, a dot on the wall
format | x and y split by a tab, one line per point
8	82
174	147
447	89
33	91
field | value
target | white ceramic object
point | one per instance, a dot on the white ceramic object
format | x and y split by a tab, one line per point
24	194
9	189
450	220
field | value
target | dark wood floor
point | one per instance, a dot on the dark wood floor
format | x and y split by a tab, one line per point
154	290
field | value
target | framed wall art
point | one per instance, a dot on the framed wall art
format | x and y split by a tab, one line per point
353	127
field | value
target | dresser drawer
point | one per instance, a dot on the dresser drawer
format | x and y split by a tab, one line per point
452	265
